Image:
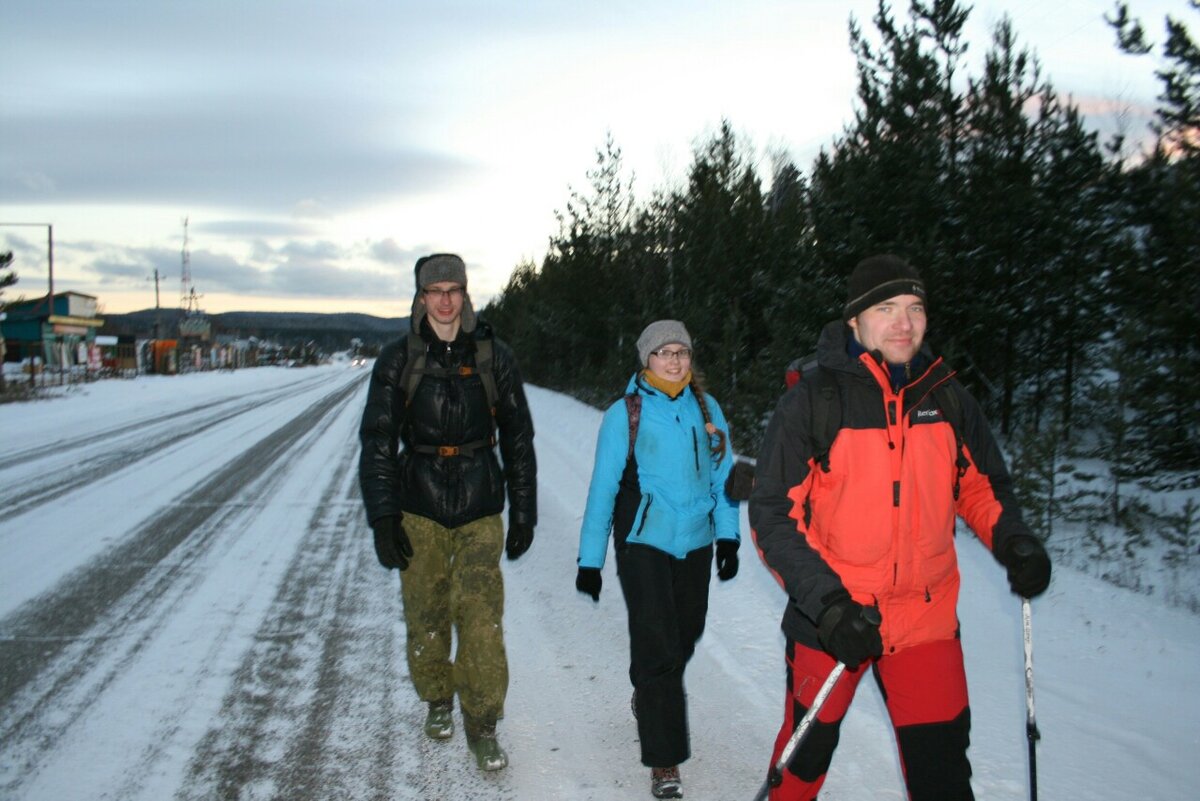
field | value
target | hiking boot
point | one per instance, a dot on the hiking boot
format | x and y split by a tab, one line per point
439	723
665	783
481	739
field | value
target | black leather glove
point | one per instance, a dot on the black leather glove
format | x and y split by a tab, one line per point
588	582
727	559
1027	563
520	537
391	543
849	632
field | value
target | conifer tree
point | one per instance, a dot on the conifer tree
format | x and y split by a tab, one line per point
890	182
1163	203
1033	203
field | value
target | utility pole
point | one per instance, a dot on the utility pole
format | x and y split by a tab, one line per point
157	318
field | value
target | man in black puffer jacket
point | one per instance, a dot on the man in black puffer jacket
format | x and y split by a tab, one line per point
449	392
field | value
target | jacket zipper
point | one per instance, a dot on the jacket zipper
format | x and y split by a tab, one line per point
891	424
645	514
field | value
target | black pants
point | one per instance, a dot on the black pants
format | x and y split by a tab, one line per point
667	601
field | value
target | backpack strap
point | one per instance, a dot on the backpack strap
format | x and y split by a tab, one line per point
827	419
633	408
629	493
415	369
951	405
414	366
485	364
826	400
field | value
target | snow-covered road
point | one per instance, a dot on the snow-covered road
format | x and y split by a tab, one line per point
190	608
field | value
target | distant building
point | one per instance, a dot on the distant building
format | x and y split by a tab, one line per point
60	334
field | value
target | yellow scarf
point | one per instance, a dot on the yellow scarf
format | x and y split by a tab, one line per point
671	389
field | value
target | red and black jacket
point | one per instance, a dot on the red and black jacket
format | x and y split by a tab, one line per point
876	517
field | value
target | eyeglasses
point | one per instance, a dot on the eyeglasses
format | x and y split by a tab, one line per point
438	294
683	354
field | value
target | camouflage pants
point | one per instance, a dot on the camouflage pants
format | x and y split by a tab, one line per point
454	581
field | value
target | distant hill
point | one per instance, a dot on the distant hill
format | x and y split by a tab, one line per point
331	332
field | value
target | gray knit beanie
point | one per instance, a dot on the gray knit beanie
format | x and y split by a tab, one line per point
877	278
441	267
659	333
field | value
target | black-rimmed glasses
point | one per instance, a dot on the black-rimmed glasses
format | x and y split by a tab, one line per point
438	294
673	354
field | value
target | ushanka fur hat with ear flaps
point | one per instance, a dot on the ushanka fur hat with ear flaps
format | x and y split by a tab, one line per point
659	333
433	269
877	278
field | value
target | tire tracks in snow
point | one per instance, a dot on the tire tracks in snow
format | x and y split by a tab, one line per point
322	705
58	650
275	718
133	443
566	642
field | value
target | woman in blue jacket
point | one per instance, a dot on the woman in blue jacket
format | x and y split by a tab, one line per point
664	502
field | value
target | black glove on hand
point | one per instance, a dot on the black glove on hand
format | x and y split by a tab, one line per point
520	537
588	582
1027	563
391	543
727	559
849	632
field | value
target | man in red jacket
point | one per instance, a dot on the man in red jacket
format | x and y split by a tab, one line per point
858	527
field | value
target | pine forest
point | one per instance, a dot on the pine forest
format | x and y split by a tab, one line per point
1058	266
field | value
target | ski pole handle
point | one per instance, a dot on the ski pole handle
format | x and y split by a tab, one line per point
776	775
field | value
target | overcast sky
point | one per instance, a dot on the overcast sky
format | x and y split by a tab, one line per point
318	148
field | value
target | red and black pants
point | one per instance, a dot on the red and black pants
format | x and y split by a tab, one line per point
925	689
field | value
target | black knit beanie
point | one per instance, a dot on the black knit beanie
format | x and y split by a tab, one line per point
877	278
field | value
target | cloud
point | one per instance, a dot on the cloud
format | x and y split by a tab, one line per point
254	228
120	265
229	151
311	251
35	182
388	252
299	270
453	125
321	279
113	272
311	209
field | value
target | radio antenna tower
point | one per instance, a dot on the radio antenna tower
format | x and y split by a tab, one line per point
185	272
188	300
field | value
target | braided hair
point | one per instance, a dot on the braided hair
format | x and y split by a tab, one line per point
716	437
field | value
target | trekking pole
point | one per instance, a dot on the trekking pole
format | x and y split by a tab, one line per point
775	776
1031	728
